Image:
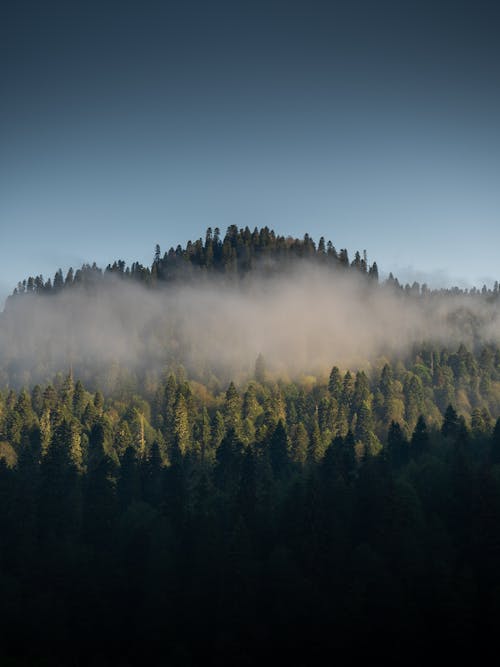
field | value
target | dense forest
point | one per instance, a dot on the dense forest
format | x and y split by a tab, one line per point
237	254
169	508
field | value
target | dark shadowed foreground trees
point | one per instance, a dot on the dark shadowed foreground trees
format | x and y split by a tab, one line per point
216	530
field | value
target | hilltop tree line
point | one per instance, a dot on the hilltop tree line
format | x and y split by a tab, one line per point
236	254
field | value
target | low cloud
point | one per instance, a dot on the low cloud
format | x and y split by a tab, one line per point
302	322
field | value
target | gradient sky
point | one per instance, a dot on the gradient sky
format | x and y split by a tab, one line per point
375	124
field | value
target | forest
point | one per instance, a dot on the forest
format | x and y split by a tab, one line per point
219	513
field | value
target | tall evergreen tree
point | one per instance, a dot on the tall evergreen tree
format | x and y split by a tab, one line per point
420	439
397	446
451	423
278	450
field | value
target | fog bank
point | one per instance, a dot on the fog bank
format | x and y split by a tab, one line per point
302	322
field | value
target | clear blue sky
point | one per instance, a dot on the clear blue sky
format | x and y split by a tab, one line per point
375	124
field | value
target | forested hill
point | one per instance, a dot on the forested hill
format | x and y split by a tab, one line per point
237	253
173	474
305	306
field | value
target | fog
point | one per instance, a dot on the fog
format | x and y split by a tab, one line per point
302	322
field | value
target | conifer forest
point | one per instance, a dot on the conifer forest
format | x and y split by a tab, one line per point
253	447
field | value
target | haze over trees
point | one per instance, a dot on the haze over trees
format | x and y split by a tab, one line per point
156	493
217	304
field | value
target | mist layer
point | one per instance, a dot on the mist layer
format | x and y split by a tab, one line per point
302	322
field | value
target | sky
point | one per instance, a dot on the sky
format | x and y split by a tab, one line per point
373	124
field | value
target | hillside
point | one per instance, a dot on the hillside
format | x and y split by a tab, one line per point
178	474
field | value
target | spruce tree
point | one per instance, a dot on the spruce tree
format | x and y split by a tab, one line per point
420	439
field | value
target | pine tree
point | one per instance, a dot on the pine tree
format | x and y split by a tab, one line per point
228	463
316	446
218	430
278	450
299	445
478	425
37	400
414	395
67	391
327	411
205	434
342	421
361	393
123	438
251	406
347	392
79	400
59	502
364	429
98	402
169	401
451	423
139	437
232	409
49	398
420	439
75	445
335	384
45	431
397	446
182	433
386	384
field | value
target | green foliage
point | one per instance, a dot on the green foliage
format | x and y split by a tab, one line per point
222	513
420	439
162	508
235	254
